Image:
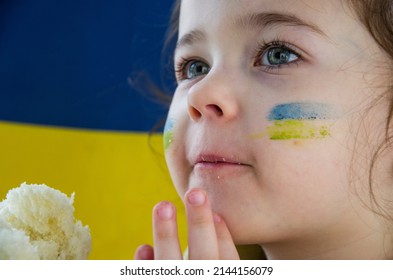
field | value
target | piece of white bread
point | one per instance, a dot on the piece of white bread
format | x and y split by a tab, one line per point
37	222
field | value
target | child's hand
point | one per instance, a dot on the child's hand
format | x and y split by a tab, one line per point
208	235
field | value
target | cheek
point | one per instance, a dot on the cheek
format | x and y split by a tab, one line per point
301	146
297	129
299	186
305	120
306	180
299	120
176	167
174	146
168	132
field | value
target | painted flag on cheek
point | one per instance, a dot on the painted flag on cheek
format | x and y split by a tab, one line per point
70	119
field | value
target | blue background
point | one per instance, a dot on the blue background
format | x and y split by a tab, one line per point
67	63
70	119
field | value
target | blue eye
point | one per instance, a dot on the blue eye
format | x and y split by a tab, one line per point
188	69
195	69
276	56
272	56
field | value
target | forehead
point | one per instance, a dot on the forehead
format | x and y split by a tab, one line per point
213	14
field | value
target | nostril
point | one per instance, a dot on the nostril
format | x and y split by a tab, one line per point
194	113
208	111
215	108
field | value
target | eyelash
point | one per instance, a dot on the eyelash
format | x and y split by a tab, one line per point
266	46
181	65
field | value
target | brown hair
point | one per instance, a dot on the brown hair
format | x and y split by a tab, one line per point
377	17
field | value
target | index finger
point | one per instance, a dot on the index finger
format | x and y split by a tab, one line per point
166	241
202	237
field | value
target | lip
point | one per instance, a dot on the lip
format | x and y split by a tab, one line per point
216	159
211	162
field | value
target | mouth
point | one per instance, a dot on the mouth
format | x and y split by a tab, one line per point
225	167
217	162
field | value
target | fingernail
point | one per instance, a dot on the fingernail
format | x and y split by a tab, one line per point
165	211
196	197
145	252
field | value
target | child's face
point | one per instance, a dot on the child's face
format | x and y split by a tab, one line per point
271	115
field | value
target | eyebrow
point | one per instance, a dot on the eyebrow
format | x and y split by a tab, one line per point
266	20
190	38
254	21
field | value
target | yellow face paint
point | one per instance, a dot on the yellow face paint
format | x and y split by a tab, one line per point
298	121
297	129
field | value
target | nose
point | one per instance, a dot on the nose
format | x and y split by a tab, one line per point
214	97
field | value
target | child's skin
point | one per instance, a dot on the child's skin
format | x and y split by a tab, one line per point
299	197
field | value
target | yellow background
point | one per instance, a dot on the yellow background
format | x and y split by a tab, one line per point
117	179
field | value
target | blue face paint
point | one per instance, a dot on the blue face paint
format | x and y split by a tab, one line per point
296	121
169	124
168	132
302	111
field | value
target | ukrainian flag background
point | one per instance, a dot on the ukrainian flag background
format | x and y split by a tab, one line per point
70	119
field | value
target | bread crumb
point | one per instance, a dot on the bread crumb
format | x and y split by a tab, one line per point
37	222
